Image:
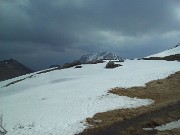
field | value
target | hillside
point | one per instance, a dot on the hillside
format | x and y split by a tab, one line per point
68	100
12	68
58	102
169	55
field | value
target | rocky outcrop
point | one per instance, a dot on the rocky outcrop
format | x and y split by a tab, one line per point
74	63
111	64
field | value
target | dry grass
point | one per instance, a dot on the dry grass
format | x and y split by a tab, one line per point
163	92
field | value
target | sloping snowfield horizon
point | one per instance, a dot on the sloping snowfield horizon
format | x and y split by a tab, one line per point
169	52
58	102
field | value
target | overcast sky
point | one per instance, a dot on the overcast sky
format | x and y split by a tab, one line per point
40	33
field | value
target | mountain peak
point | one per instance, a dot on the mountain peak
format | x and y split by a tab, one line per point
12	68
102	55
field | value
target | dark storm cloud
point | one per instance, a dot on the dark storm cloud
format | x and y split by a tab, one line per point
64	26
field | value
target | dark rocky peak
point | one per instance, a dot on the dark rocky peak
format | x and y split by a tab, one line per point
12	68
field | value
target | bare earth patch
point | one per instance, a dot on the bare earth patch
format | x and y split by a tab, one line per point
165	93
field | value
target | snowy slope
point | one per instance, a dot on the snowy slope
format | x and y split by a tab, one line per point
167	126
173	51
98	56
58	102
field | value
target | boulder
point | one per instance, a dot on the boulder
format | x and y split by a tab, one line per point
78	66
111	64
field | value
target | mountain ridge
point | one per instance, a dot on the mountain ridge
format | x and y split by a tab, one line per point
169	55
12	68
102	55
168	52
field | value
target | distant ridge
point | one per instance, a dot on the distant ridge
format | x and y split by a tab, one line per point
169	55
92	57
12	68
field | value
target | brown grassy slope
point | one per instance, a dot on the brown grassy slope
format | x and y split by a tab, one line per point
163	91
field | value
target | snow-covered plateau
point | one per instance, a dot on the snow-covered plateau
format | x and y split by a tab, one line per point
58	102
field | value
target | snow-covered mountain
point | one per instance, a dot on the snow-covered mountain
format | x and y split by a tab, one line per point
99	56
169	55
172	51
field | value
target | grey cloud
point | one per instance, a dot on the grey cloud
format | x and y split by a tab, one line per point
86	25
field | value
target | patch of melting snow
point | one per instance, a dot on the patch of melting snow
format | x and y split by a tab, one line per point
167	126
148	129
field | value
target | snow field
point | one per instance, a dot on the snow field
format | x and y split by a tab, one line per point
58	102
169	126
